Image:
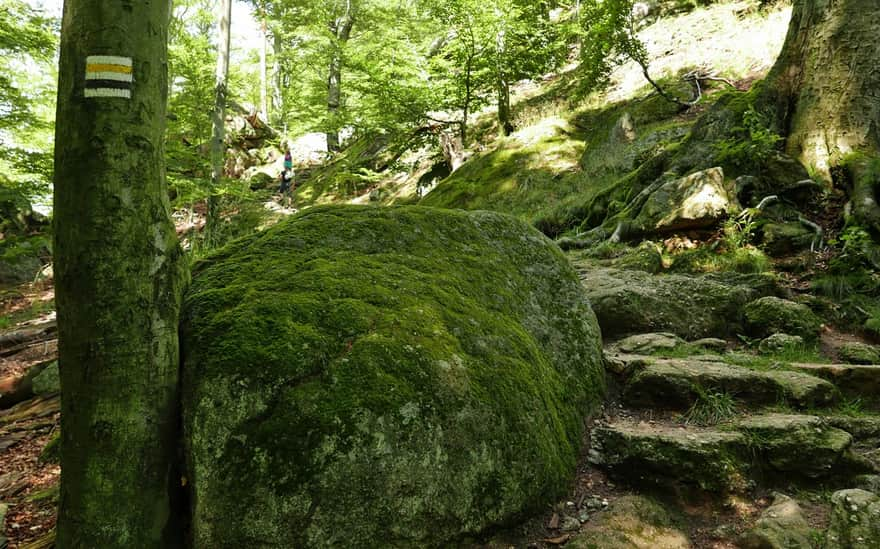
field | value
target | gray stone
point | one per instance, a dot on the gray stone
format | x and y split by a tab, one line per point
777	343
624	130
713	343
647	344
697	201
781	526
870	483
855	520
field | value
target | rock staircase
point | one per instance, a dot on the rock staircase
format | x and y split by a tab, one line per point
782	425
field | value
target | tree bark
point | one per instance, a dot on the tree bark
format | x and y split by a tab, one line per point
119	273
341	29
277	81
502	86
825	81
264	79
218	119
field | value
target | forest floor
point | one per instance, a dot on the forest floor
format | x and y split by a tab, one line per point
28	475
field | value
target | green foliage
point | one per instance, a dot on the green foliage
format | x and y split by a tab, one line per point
27	98
710	408
852	280
852	407
608	38
752	143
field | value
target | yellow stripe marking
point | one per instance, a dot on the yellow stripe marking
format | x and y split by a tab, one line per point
108	68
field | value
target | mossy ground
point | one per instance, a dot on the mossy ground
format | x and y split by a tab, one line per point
364	373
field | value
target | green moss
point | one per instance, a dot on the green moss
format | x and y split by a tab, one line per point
770	315
406	374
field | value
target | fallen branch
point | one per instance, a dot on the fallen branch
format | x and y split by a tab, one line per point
12	342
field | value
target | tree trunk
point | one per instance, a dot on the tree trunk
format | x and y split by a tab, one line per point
465	109
505	126
119	273
341	29
502	86
277	81
825	81
264	79
218	119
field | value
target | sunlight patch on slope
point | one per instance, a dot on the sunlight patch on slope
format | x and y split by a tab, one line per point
727	38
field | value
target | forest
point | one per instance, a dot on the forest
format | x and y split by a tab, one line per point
592	274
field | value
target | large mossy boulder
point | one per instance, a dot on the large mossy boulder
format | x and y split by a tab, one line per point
402	376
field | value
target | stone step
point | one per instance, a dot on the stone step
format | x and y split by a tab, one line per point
675	384
853	380
768	448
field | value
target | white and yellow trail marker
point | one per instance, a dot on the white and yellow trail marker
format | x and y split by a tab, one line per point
108	76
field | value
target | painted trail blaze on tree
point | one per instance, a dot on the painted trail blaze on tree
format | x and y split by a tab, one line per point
119	272
108	76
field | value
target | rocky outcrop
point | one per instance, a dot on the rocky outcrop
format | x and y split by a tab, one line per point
697	201
785	447
691	307
678	383
398	374
855	520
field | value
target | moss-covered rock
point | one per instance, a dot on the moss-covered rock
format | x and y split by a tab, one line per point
854	380
780	343
697	201
645	454
646	344
785	238
855	520
632	522
679	383
400	374
798	445
859	353
781	526
770	315
689	306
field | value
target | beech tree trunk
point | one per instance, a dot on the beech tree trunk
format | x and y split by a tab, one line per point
119	273
277	81
341	29
826	81
218	119
264	80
